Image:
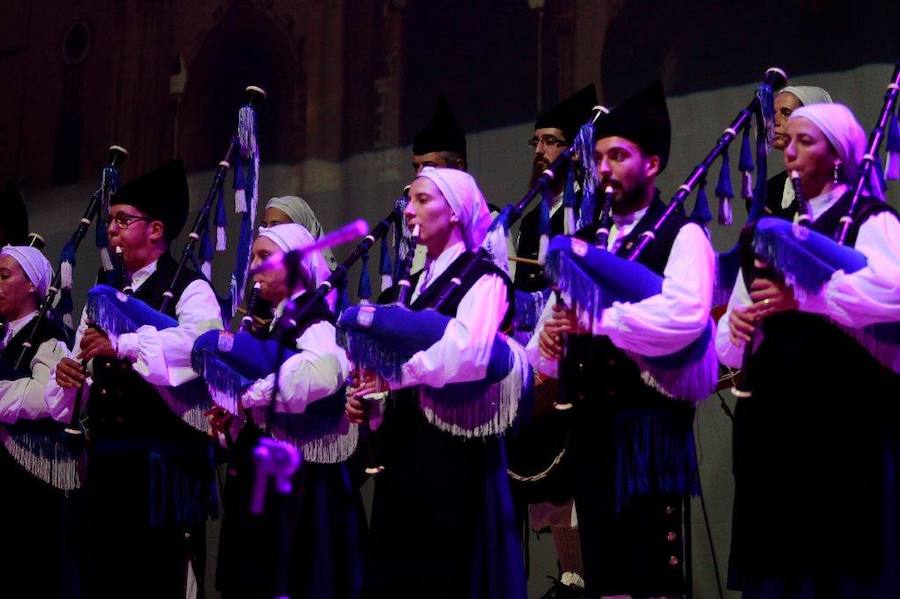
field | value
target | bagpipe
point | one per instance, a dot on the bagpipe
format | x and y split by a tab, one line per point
592	279
49	450
807	259
116	312
231	363
383	338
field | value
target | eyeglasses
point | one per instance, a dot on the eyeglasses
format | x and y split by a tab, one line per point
124	220
546	141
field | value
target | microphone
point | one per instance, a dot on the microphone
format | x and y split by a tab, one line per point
276	460
343	235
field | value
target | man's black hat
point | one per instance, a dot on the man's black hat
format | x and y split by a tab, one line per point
643	119
443	133
161	194
569	115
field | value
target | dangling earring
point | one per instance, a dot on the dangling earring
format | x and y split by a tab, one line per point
837	172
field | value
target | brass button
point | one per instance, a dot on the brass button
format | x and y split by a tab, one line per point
674	561
106	364
102	391
669	510
671	536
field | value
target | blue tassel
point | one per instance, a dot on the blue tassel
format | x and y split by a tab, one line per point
544	226
206	247
745	165
221	220
701	213
385	269
757	206
766	115
589	192
364	291
343	299
724	191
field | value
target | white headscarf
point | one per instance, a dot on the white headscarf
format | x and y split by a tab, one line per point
807	94
846	136
466	200
36	266
291	236
302	214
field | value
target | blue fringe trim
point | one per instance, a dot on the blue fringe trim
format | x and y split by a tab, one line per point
529	307
690	373
728	264
482	408
322	432
808	259
654	454
117	313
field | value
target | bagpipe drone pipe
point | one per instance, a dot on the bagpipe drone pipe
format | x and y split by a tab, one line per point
591	279
117	312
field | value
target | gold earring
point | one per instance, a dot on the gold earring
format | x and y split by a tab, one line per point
837	172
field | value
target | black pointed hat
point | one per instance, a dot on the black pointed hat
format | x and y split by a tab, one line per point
443	133
162	194
570	114
14	224
644	119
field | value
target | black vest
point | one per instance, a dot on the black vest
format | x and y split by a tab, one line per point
586	353
808	443
49	328
530	277
121	401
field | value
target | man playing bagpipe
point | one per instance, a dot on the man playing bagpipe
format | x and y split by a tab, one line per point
150	475
554	131
317	530
41	545
816	434
632	437
442	519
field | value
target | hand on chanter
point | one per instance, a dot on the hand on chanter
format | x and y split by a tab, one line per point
562	321
96	342
70	374
772	296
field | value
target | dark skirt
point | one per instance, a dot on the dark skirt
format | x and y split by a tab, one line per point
149	503
634	467
308	543
443	523
845	580
45	535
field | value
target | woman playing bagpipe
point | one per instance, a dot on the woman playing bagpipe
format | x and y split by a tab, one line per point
632	435
40	539
150	475
815	441
322	519
442	517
